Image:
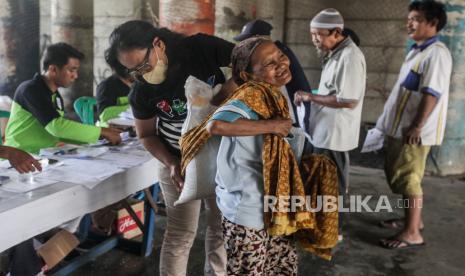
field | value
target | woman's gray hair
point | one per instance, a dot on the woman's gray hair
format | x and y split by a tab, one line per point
241	56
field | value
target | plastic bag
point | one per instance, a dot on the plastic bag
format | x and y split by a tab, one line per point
199	181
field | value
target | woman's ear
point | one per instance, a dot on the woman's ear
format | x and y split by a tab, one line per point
245	76
157	42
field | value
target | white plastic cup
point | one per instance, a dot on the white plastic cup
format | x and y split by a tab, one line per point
26	178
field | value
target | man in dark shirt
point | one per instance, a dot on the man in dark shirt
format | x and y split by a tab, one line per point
299	80
36	119
112	93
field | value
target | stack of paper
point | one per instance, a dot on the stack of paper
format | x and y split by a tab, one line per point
84	172
127	114
126	159
73	151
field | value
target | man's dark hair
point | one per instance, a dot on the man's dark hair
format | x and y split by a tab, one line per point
432	11
59	53
112	60
138	34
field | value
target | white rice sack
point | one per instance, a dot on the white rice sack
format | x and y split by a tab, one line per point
199	181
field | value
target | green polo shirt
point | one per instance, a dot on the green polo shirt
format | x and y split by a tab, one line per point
37	121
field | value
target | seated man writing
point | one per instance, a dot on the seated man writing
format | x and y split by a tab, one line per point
37	120
112	93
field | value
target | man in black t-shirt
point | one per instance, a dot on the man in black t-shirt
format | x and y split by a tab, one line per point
112	93
112	98
161	61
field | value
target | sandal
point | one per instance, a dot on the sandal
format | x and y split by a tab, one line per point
396	243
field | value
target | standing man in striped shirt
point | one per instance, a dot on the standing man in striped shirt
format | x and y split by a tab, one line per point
414	117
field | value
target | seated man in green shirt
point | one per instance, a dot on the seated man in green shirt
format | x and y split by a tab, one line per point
36	119
112	93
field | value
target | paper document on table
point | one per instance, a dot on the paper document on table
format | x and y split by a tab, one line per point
73	151
21	183
122	122
126	159
127	114
373	141
5	164
84	172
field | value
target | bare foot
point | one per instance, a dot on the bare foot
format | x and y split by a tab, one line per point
397	224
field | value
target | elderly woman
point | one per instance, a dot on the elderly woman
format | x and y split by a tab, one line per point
254	119
250	249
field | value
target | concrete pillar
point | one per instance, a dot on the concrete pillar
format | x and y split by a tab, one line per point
188	16
274	12
107	15
45	24
72	22
19	43
449	157
231	15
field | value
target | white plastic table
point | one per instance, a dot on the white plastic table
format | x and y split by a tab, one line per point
38	211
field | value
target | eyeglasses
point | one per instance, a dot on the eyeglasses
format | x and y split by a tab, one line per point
321	35
143	68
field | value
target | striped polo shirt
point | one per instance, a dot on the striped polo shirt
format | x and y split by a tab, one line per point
426	70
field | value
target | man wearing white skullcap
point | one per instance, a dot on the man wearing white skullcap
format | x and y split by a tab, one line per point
337	107
328	19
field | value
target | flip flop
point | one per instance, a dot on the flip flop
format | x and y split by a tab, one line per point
399	243
394	224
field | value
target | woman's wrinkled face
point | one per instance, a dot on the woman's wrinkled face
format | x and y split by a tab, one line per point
270	65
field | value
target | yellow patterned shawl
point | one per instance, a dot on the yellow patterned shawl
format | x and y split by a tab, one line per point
281	174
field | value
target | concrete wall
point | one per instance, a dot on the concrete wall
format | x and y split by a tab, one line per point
19	43
73	23
380	26
188	17
45	24
231	15
107	15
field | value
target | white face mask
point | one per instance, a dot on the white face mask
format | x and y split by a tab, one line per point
158	73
